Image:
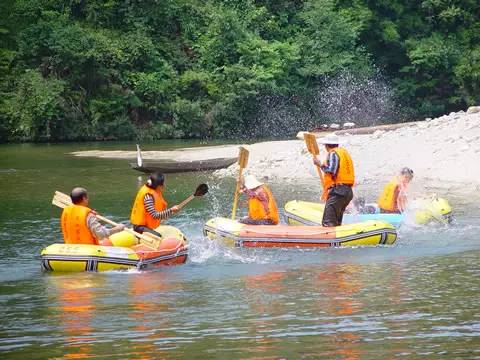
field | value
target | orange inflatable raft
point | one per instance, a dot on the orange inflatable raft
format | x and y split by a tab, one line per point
123	255
234	233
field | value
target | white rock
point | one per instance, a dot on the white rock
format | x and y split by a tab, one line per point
349	125
473	109
334	126
377	134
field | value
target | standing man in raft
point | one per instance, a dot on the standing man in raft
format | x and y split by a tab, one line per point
394	196
79	223
262	208
338	179
149	207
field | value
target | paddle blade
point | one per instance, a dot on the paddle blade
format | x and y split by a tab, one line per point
243	157
60	204
311	142
61	200
139	157
201	190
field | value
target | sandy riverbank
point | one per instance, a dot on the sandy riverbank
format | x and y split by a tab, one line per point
443	152
185	154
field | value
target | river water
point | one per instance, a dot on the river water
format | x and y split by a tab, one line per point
416	299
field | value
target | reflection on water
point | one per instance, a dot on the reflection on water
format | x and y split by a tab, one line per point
75	308
336	310
415	300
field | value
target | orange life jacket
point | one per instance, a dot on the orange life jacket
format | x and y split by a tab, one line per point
74	226
345	174
256	210
389	197
140	215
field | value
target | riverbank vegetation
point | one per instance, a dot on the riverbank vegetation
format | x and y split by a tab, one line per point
151	69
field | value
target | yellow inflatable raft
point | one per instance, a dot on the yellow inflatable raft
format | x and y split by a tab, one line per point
236	234
427	210
123	255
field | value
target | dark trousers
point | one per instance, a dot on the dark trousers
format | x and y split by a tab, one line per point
338	199
141	229
249	221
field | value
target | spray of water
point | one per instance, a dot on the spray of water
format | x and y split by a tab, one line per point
339	99
362	100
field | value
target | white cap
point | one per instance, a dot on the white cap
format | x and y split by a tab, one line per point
251	182
330	139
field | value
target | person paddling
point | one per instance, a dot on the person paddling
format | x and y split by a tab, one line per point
149	207
339	178
80	224
393	199
262	208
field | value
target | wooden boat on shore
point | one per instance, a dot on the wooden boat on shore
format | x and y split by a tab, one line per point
168	166
177	166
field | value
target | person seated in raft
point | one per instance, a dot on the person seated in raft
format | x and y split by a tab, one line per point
80	224
149	207
394	196
338	179
262	208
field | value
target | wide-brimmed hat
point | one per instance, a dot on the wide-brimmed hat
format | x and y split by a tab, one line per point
330	139
251	182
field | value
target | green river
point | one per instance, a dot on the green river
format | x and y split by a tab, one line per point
414	300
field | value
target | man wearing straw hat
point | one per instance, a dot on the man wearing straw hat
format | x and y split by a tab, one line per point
338	179
262	208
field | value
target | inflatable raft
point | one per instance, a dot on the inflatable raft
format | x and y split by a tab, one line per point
123	255
234	233
310	213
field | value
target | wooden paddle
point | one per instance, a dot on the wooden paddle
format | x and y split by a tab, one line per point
242	162
312	147
139	157
201	190
63	200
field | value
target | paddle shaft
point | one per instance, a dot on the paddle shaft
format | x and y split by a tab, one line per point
312	147
67	202
186	201
319	171
242	163
237	193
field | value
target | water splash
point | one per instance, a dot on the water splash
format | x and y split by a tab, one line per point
339	99
347	98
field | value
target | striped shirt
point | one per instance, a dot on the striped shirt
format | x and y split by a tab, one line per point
98	230
332	164
149	204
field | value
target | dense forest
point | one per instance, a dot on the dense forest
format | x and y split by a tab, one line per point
151	69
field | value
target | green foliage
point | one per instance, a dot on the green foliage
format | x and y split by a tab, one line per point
36	106
81	70
467	73
329	42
